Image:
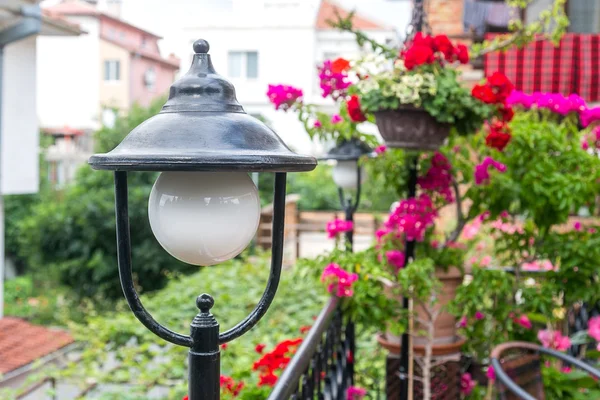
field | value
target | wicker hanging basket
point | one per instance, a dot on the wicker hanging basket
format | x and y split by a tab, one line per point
411	128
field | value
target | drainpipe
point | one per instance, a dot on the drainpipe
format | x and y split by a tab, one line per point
29	25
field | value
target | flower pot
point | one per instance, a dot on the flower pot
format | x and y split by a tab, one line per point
445	324
411	128
392	344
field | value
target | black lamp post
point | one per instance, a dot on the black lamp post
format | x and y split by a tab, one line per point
204	208
348	175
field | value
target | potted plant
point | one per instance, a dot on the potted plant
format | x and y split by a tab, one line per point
420	98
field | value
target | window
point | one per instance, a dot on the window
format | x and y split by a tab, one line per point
243	64
112	70
143	41
150	79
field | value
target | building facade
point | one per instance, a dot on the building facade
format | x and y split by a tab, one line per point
255	43
87	79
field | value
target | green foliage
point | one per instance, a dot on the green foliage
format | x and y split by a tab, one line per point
71	234
145	361
575	385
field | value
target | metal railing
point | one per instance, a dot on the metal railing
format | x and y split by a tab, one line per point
323	366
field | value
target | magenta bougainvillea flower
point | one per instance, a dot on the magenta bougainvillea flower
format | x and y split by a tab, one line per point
336	119
479	315
482	174
339	282
554	340
594	328
283	96
317	124
463	322
467	384
337	226
438	178
491	373
396	259
523	321
380	149
412	217
355	393
589	116
334	84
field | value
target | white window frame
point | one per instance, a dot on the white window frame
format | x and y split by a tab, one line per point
112	70
244	62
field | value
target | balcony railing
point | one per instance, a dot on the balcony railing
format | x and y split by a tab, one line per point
323	366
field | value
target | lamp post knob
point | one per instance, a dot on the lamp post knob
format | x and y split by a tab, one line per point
201	46
205	302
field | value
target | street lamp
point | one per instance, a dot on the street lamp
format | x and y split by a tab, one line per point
204	208
348	175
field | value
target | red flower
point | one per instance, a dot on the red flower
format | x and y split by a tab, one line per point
501	86
499	136
484	93
462	53
340	65
185	398
497	140
442	44
224	346
269	379
418	55
422	40
259	348
506	113
305	328
354	110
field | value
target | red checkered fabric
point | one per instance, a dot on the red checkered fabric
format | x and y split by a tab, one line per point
572	67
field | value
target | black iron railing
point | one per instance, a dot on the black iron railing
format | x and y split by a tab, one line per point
323	366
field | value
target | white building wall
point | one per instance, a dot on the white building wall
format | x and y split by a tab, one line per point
289	48
68	85
20	131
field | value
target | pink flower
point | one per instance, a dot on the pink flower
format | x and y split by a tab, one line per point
380	149
336	119
438	178
471	229
467	384
482	174
283	96
380	233
554	340
337	226
463	322
577	226
565	370
589	116
395	258
355	393
545	265
485	261
412	217
594	328
317	124
524	321
334	84
338	280
479	315
491	374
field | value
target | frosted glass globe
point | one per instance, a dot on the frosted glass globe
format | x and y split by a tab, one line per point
204	218
344	174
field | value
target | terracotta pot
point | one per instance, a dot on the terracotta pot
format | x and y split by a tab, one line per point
445	324
411	128
439	349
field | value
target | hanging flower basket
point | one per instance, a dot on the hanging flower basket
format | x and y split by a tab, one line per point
411	128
